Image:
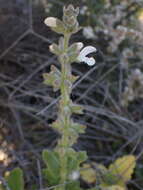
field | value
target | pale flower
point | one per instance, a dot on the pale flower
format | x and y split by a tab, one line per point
84	52
51	22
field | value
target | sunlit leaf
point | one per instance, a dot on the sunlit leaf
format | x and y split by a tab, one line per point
123	168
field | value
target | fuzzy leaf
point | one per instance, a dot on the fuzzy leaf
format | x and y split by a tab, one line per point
15	179
73	52
78	128
53	78
123	168
76	108
58	125
54	48
73	78
50	177
52	172
88	174
75	159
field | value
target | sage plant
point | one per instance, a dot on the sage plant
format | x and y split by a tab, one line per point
63	163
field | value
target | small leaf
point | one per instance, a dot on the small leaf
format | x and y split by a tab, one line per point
54	48
76	108
53	78
52	172
73	52
58	125
78	128
51	159
73	78
15	179
52	179
123	168
81	156
88	174
75	159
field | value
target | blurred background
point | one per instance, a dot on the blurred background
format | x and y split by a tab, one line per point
111	91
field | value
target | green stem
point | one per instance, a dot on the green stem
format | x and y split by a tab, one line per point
65	115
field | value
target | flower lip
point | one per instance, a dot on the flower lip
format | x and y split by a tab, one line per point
87	50
83	55
51	21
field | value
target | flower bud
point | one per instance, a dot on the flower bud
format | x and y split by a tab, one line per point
54	49
51	22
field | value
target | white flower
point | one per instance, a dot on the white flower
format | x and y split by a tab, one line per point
88	32
51	22
84	52
74	175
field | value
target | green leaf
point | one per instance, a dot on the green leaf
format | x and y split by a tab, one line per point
52	172
75	159
53	78
52	178
78	128
123	169
76	108
15	179
88	174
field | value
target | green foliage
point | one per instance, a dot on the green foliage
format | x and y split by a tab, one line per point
75	159
53	78
116	176
15	180
52	172
64	163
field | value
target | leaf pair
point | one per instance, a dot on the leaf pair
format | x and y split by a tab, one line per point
53	78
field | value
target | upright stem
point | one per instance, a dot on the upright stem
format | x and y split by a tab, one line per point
65	115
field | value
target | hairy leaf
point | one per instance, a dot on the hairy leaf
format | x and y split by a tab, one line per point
15	179
123	168
52	172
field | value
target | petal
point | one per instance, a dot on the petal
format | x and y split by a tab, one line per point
87	50
51	21
89	61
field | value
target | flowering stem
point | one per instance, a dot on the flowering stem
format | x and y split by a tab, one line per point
64	113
